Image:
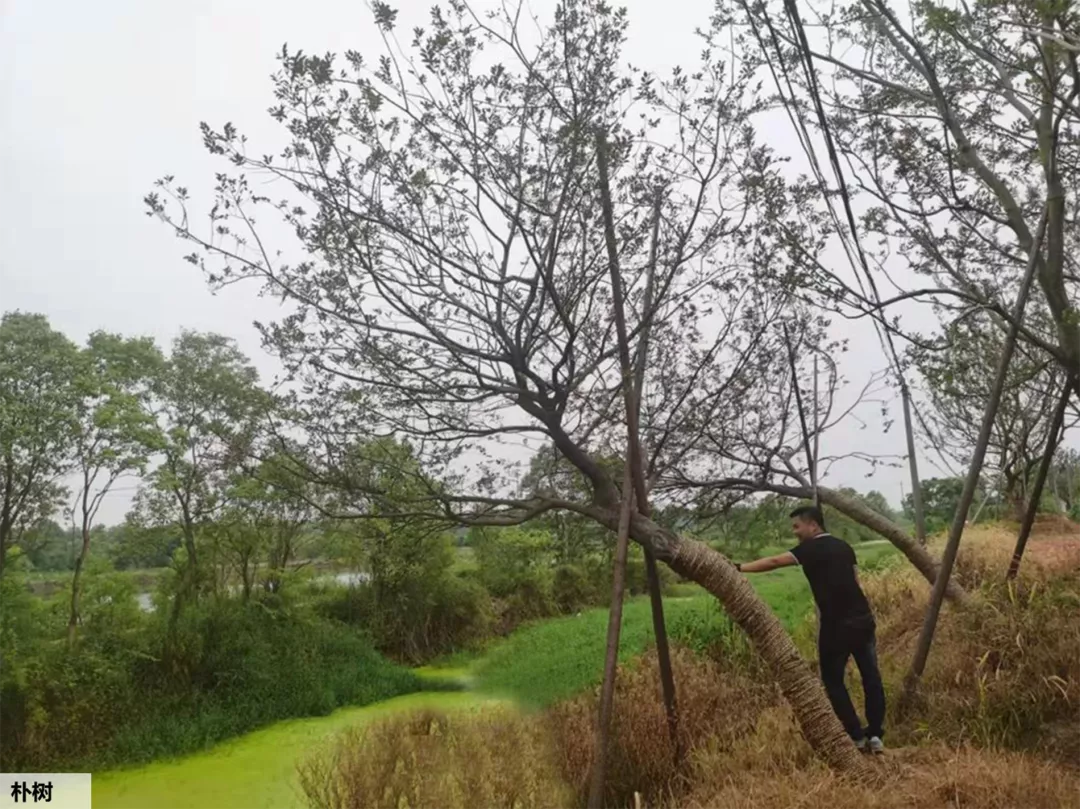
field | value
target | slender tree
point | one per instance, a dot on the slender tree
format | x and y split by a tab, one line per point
207	406
1053	437
971	482
952	129
958	369
114	430
38	400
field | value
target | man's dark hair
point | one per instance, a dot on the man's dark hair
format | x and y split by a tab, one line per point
810	514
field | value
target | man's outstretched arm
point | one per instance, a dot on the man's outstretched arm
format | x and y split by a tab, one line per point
768	563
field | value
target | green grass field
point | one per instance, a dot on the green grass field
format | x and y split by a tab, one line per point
554	659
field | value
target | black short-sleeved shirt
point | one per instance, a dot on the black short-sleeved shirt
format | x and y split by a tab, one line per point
829	565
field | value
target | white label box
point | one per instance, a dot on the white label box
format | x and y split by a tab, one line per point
45	790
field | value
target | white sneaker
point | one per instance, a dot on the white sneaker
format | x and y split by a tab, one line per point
860	745
877	747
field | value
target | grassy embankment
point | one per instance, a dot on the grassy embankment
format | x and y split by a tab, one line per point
535	667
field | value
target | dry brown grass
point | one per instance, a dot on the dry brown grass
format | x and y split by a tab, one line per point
765	776
716	706
1002	667
490	758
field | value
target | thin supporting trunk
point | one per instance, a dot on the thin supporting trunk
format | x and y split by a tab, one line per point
663	654
802	415
611	656
913	465
937	595
633	382
76	582
817	440
1052	437
186	584
975	517
644	507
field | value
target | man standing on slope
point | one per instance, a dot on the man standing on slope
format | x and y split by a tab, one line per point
845	623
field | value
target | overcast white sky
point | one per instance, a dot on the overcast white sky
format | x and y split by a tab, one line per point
100	99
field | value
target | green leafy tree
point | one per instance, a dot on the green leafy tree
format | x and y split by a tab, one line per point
207	404
941	496
132	544
574	537
38	399
48	546
876	500
415	606
270	510
115	430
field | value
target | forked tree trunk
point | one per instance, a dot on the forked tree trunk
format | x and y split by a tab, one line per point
801	688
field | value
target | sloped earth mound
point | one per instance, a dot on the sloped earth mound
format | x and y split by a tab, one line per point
996	724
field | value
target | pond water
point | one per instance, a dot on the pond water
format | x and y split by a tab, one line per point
349	578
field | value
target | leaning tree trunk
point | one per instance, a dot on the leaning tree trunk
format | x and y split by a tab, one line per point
698	562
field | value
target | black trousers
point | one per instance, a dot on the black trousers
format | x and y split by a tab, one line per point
836	643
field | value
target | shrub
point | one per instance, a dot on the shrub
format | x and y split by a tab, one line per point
572	590
510	558
114	699
486	759
415	621
515	566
